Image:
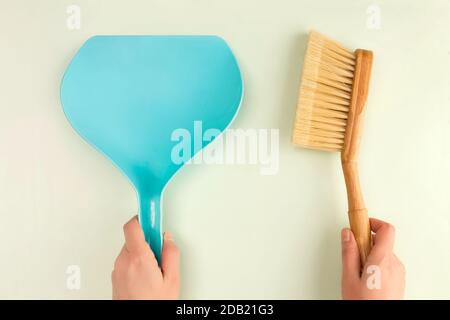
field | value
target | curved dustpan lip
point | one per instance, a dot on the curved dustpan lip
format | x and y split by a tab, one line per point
195	152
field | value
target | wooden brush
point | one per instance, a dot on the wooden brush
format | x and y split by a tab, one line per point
330	110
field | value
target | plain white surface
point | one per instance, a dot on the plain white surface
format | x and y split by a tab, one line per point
242	235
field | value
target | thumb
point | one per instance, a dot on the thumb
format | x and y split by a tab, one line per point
351	266
170	260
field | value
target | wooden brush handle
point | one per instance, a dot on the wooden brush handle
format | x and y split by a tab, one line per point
357	212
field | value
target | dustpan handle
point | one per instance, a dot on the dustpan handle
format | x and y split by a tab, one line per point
150	220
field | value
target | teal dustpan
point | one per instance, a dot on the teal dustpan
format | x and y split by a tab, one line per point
129	96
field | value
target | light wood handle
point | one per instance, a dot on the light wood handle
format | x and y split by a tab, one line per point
357	212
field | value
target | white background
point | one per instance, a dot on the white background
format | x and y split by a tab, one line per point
242	235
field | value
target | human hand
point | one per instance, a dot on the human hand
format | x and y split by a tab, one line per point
136	274
383	276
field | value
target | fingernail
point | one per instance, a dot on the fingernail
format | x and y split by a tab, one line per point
345	235
168	236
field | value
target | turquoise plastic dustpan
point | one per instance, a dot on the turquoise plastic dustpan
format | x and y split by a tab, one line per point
128	95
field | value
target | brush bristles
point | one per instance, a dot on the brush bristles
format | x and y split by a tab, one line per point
325	94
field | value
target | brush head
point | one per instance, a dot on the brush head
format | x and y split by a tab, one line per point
325	95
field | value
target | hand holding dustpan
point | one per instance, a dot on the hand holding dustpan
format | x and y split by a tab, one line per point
127	94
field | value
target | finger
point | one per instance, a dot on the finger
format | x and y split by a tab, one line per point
384	236
134	237
376	224
170	260
120	262
351	266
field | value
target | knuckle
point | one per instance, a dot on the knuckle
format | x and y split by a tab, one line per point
136	260
348	250
118	265
171	249
391	228
175	251
174	256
